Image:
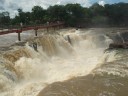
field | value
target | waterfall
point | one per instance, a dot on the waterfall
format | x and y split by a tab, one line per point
25	70
121	37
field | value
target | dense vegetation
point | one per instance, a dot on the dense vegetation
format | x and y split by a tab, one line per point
72	15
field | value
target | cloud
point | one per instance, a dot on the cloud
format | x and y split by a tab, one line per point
84	3
2	1
1	5
1	8
115	1
13	6
102	3
26	5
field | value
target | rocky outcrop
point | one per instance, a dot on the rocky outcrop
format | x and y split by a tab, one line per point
120	40
118	45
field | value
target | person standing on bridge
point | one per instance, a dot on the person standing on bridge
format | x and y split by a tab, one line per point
21	24
47	23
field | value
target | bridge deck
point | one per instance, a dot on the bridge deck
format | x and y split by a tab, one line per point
19	30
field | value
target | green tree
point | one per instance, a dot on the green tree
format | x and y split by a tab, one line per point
4	18
117	13
38	14
75	13
56	13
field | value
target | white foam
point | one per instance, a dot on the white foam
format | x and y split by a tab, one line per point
37	72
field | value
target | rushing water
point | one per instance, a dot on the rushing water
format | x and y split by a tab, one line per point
76	60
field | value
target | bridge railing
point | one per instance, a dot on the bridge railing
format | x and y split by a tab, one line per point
19	29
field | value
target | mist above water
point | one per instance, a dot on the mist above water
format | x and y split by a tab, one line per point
53	59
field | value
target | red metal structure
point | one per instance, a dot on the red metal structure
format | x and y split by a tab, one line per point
19	30
15	30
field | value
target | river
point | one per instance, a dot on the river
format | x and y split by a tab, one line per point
69	62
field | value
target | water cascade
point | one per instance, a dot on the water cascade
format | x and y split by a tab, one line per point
121	37
26	70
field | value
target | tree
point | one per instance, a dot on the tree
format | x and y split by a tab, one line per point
38	14
57	13
4	18
97	10
75	13
21	16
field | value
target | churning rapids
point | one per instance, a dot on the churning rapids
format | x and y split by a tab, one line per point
70	63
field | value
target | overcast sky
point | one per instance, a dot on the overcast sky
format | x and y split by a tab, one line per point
26	5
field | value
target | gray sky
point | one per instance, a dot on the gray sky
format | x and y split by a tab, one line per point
26	5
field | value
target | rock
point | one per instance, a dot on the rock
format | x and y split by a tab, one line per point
118	45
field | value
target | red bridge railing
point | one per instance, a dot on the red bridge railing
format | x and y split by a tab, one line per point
26	28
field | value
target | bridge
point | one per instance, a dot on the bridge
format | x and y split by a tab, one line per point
19	30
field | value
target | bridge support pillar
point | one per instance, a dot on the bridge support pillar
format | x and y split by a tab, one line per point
58	27
47	29
19	37
54	28
36	32
18	32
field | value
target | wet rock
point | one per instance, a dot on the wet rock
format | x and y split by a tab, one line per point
118	45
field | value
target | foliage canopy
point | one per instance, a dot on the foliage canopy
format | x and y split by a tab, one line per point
72	15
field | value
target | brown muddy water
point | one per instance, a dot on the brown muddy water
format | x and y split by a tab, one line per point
68	63
109	79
